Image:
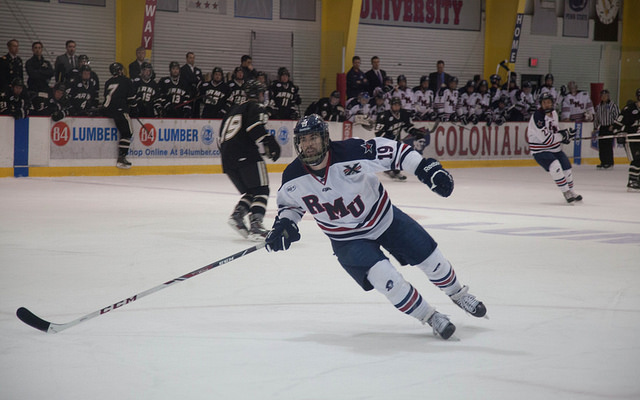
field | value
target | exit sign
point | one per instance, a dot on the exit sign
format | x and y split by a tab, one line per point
533	62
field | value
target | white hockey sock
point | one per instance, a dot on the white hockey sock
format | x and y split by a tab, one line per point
568	176
388	281
440	272
558	175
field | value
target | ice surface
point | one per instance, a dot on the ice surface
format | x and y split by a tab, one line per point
561	284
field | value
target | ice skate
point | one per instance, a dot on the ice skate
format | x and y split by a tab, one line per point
568	196
257	231
576	197
602	167
123	163
441	325
469	303
390	174
633	186
400	176
236	221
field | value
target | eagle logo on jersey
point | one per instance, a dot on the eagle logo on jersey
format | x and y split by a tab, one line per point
352	169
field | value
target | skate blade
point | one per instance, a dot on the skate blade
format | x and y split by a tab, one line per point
242	232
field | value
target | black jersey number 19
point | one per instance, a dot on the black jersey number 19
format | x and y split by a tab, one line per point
231	127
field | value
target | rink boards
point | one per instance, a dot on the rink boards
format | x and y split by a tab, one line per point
37	146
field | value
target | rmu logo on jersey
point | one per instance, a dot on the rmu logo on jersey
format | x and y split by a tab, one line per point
336	210
352	169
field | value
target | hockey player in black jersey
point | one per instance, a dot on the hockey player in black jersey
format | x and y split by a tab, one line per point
240	134
390	125
236	94
214	95
329	108
628	122
84	94
59	104
148	100
119	96
174	93
284	97
16	101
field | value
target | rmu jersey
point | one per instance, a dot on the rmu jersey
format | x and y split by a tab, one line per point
348	202
543	133
575	105
423	102
406	97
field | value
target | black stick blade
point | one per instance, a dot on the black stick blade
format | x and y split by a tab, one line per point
33	320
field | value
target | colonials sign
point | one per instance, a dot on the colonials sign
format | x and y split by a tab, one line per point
433	14
97	138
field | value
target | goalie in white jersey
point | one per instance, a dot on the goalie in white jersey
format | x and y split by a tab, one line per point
336	183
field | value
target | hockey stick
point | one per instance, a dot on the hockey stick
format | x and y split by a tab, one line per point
33	320
609	136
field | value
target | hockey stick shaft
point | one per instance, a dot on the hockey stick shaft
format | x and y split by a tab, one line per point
609	136
34	321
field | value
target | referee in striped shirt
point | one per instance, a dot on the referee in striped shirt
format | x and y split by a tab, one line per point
606	113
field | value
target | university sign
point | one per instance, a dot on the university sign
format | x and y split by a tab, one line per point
432	14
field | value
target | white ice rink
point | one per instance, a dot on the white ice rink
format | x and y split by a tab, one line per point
561	284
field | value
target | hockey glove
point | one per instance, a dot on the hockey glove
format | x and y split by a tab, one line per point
621	139
283	233
567	135
57	116
431	173
271	147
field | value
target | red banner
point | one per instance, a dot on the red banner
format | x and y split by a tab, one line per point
150	8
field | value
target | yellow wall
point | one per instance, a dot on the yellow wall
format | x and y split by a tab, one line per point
129	19
498	33
340	19
630	56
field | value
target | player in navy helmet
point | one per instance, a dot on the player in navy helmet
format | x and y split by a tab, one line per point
360	220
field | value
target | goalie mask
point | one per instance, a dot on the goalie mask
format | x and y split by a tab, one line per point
308	126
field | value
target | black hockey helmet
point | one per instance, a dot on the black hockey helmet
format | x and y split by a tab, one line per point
85	67
60	87
252	88
526	84
217	69
548	76
146	65
115	68
453	79
83	59
17	82
483	83
424	79
401	77
336	94
283	71
494	79
311	124
173	64
395	100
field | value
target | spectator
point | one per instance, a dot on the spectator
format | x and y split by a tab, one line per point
214	95
192	77
40	71
576	105
606	114
10	66
135	68
284	97
66	62
438	79
375	75
84	94
246	62
236	94
329	108
174	94
148	102
356	80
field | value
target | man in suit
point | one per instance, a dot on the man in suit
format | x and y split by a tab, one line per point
10	66
192	77
66	62
375	75
438	79
136	65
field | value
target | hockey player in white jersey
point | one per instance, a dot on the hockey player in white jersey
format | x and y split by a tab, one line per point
545	143
336	183
447	100
358	106
465	106
576	105
481	102
405	94
423	101
548	88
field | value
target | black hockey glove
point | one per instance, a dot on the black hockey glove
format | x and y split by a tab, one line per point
283	233
57	116
271	147
622	139
431	173
567	135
